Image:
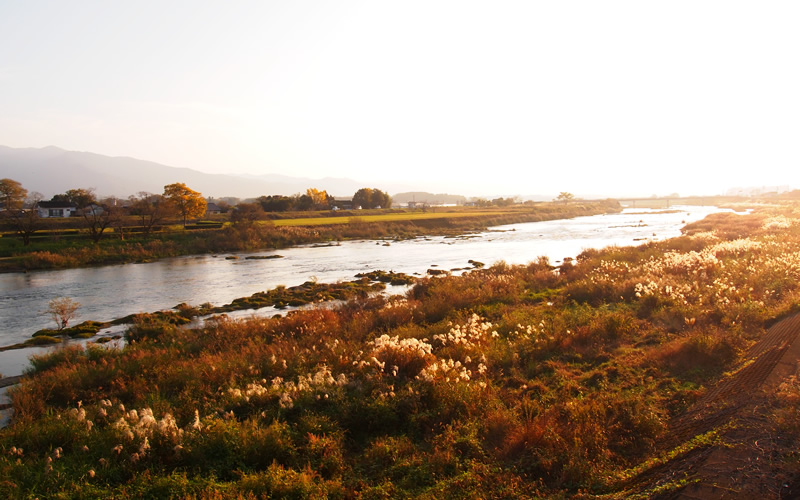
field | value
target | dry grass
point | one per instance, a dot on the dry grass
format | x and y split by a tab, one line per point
553	382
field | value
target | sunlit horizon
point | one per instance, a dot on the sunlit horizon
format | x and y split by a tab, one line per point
517	98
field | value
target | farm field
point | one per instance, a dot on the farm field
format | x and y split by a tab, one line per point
393	217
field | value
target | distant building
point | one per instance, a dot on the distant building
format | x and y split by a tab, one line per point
213	209
343	204
55	209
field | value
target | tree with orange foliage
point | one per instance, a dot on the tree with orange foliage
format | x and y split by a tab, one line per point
188	202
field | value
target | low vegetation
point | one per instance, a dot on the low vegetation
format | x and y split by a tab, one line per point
508	381
281	297
66	244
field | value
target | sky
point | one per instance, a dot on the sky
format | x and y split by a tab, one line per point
611	98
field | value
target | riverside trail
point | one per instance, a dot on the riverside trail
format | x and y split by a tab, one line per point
743	463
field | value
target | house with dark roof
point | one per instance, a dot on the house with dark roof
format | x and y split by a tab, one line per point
212	208
55	208
343	204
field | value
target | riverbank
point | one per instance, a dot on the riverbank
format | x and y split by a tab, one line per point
62	252
113	291
279	298
511	381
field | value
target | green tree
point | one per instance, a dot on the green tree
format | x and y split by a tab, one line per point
381	199
372	198
276	203
363	198
190	204
80	197
303	202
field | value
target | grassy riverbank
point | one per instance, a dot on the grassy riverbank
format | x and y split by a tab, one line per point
66	247
281	297
511	381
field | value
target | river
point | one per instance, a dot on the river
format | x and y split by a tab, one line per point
110	292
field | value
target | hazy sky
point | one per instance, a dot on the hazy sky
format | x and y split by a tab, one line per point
494	97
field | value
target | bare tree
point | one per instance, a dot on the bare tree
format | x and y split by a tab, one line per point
97	215
565	197
152	210
62	310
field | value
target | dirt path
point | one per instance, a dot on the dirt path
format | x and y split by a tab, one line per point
751	463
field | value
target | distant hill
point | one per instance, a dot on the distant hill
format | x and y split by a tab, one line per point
52	170
431	198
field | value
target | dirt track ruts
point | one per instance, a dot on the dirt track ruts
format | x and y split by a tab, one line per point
749	465
729	395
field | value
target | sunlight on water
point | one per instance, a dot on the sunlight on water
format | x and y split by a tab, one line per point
114	291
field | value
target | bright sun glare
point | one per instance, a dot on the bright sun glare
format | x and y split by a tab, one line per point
600	98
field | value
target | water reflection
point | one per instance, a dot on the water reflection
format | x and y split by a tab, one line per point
114	291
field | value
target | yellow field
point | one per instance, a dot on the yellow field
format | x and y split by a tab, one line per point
322	221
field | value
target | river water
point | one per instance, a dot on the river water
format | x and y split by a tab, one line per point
110	292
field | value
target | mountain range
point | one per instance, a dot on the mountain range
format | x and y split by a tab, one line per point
53	170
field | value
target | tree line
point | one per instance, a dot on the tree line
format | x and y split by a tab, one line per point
313	199
19	208
20	212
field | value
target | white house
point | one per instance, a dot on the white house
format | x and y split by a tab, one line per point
55	209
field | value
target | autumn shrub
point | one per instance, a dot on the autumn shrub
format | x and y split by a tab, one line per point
440	295
43	338
785	412
263	445
499	425
150	326
535	447
282	482
726	225
216	447
699	354
590	292
397	312
66	356
325	454
635	424
48	260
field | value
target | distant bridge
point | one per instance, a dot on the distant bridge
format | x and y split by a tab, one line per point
668	201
